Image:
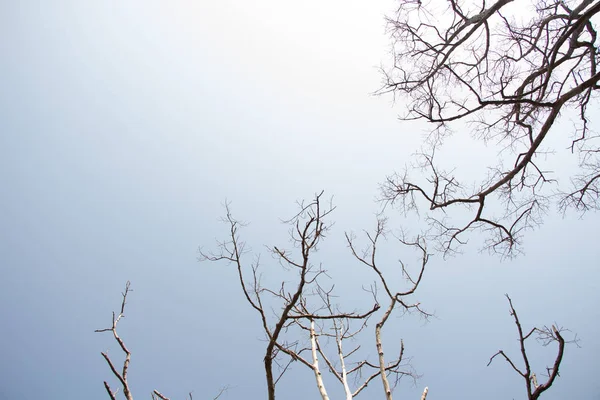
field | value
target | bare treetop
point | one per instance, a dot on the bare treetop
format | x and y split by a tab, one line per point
304	307
511	70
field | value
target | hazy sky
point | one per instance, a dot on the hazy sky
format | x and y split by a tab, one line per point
124	126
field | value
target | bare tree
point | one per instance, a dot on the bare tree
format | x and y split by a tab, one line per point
546	335
306	309
121	374
396	299
512	73
322	324
303	324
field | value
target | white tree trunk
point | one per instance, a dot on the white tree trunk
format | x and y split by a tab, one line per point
338	339
318	376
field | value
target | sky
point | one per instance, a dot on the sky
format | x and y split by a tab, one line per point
125	126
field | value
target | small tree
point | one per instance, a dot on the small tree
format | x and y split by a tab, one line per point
121	374
302	324
306	310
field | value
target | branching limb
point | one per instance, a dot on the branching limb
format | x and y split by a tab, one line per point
120	375
546	336
512	82
304	303
308	229
368	257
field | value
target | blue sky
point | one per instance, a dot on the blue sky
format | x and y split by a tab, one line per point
124	126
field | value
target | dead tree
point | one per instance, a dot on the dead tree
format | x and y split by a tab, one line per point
121	374
309	328
306	314
303	324
546	336
511	71
309	229
395	299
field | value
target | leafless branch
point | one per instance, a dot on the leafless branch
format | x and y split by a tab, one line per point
546	336
160	396
122	375
308	229
304	308
368	257
510	78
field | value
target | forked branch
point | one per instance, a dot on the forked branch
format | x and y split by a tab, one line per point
546	335
303	306
120	375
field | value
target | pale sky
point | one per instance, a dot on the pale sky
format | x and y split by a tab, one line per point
124	127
